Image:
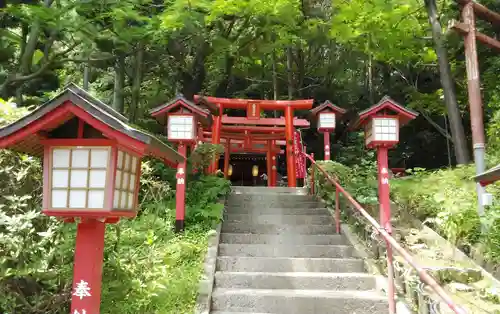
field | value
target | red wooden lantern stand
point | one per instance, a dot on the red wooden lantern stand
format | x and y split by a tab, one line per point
91	174
325	117
183	120
381	123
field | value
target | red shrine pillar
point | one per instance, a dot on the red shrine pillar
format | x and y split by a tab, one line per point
274	170
180	194
227	155
326	138
269	162
216	129
87	273
290	154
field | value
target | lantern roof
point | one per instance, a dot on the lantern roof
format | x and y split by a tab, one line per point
385	105
25	135
490	176
180	103
326	106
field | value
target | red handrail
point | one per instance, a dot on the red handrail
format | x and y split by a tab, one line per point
424	276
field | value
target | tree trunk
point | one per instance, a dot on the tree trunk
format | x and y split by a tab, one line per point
456	127
136	84
275	80
289	57
118	94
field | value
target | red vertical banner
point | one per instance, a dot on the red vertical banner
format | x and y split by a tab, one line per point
300	160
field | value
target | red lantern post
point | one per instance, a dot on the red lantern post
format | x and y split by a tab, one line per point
381	124
182	119
326	116
91	174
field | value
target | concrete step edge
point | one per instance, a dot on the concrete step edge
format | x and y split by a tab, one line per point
286	245
334	235
295	274
277	258
315	294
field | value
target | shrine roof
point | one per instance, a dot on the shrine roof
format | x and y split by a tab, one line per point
490	176
24	135
327	105
180	101
386	103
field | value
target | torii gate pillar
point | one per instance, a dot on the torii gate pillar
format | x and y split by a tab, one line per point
290	157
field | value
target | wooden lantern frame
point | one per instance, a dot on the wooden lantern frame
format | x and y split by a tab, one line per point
386	108
180	106
326	108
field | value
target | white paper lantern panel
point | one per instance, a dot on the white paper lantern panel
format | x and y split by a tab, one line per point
326	121
181	127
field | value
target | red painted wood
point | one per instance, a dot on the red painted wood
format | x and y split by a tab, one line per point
385	215
253	111
234	103
81	125
50	120
264	121
227	156
87	273
257	129
216	135
180	191
46	174
269	163
290	154
326	139
78	142
110	189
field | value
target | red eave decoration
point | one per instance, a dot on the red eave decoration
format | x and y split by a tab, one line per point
180	102
327	106
234	103
405	115
26	134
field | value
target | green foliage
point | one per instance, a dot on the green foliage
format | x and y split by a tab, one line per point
446	200
360	180
204	155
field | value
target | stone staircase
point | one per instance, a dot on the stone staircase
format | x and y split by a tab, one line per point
279	253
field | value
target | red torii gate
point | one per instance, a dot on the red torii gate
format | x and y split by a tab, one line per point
256	128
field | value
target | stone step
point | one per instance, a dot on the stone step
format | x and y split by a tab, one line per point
270	197
273	203
287	264
255	210
264	250
241	227
268	190
238	311
248	238
300	301
295	280
280	219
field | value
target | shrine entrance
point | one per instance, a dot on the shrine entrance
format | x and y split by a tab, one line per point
255	135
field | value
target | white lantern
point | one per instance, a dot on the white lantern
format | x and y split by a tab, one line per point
86	178
383	130
326	121
181	127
